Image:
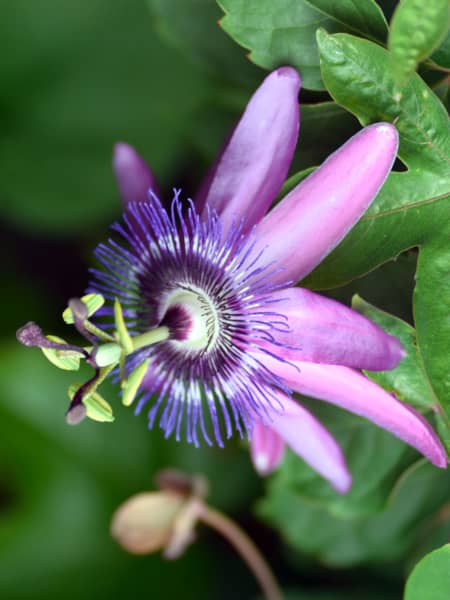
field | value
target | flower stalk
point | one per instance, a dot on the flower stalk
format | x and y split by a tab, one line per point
166	520
244	545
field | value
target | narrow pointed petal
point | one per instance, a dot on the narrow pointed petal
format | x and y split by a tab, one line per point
322	330
358	394
252	167
314	217
308	438
266	448
134	177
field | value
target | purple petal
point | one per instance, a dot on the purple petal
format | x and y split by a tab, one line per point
134	177
254	163
308	438
358	394
322	330
317	214
266	448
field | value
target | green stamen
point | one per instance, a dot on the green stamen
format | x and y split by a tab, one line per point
133	382
122	334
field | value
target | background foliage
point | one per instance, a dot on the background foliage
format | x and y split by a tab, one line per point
162	75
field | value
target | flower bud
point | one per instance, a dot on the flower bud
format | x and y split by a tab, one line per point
144	523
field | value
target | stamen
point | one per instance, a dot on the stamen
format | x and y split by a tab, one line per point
31	335
199	290
193	318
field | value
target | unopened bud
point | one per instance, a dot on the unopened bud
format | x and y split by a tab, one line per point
107	354
145	522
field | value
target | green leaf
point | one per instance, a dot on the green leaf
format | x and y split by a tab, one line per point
283	32
430	579
413	207
409	380
357	75
413	381
417	28
396	222
432	318
366	19
342	540
441	56
375	459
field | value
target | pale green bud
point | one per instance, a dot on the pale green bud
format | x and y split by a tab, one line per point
145	522
108	354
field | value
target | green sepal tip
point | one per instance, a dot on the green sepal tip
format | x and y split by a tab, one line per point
92	301
69	360
97	408
131	385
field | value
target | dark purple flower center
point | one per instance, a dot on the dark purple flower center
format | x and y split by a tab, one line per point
210	290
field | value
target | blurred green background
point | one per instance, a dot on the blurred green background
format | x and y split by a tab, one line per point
75	78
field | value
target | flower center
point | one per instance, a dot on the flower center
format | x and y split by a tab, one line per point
207	299
192	319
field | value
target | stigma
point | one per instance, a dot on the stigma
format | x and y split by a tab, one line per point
192	318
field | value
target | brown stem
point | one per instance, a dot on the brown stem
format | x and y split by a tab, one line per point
246	548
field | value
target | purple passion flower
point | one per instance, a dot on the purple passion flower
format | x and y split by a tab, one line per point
215	336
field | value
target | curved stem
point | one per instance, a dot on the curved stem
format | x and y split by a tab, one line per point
246	548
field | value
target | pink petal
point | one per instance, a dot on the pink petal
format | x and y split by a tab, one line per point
322	330
255	161
266	448
358	394
308	438
314	217
134	177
